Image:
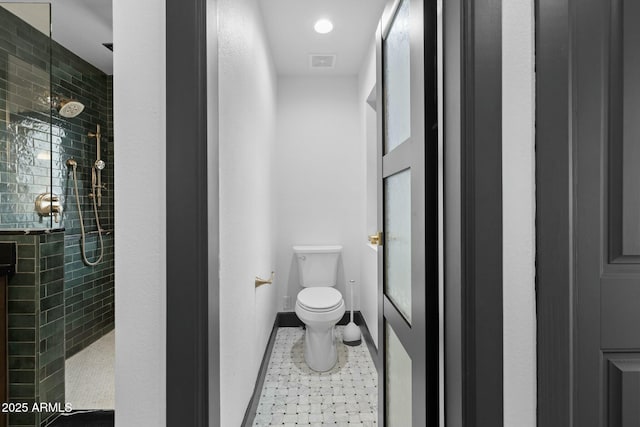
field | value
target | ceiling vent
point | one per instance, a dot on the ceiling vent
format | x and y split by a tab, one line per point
322	61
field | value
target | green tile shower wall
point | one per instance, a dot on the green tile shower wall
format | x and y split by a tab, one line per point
24	122
36	324
89	312
51	341
88	291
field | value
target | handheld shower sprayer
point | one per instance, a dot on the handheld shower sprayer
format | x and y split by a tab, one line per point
96	193
71	163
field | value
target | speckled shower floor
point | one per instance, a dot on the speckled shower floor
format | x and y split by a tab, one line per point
90	376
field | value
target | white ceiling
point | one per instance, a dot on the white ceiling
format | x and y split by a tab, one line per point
289	26
79	25
83	25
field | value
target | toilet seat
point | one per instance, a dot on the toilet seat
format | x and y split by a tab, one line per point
319	299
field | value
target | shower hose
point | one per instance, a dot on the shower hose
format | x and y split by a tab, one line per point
95	211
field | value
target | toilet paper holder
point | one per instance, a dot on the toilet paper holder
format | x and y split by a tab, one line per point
260	281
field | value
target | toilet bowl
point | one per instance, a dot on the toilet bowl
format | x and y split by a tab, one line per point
320	308
319	305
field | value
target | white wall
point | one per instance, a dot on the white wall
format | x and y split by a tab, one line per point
318	163
368	135
518	90
247	106
139	119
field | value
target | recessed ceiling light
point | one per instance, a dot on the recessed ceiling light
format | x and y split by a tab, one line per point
323	26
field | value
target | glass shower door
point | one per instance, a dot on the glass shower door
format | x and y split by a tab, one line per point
25	176
25	114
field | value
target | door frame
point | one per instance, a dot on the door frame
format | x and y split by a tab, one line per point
481	158
554	222
473	263
192	345
473	214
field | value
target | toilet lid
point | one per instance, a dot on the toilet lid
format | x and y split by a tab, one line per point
319	298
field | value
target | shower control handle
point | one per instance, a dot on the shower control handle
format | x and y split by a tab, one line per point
48	204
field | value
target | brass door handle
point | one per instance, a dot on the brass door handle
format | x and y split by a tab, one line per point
260	282
376	239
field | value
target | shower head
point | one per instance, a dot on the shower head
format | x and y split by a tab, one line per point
69	108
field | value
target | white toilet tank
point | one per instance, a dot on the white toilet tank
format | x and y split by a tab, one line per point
317	265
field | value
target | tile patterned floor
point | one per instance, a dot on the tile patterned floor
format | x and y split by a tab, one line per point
294	395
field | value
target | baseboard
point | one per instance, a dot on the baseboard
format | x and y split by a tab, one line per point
252	408
358	319
289	319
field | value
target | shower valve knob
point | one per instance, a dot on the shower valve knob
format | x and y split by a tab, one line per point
48	204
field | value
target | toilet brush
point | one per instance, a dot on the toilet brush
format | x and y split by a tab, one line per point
351	334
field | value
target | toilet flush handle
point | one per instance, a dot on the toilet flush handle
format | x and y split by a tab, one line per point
302	257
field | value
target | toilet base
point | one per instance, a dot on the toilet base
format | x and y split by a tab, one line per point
320	350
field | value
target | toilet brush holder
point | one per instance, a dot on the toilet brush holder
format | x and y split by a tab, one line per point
351	334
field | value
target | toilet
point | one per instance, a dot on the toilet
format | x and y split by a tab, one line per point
319	305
